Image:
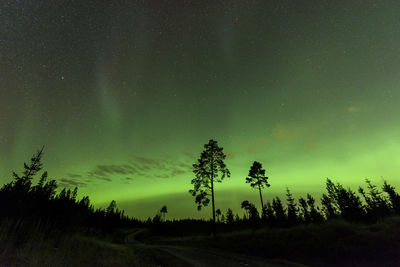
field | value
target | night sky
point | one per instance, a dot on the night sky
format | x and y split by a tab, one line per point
124	94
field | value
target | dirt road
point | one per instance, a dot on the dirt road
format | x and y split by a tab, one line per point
192	256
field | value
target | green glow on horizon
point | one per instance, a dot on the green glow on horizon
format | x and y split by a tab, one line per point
124	112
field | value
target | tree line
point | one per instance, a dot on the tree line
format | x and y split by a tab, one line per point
24	202
371	205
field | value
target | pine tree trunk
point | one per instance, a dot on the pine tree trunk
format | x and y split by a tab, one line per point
213	207
262	203
212	196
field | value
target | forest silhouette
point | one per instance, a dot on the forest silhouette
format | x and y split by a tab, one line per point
27	206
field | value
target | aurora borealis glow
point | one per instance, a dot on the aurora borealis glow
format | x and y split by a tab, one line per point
124	94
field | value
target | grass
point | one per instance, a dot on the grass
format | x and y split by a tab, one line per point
25	243
333	243
31	245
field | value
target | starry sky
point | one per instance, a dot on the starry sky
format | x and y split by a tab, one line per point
124	94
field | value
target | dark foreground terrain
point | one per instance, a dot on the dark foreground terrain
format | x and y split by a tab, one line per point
331	244
42	227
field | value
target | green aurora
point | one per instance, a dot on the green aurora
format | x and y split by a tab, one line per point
125	95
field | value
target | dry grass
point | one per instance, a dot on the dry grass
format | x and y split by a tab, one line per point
35	248
333	243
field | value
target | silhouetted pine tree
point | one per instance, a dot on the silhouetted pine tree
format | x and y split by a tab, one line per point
394	197
305	213
110	209
251	210
218	213
291	208
163	211
328	207
157	218
280	212
257	179
237	218
23	183
346	201
269	213
222	218
315	216
377	206
229	216
264	214
210	168
23	201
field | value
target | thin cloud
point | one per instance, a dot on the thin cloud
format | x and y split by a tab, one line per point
74	175
189	155
186	166
116	169
146	161
127	180
177	172
161	176
64	182
140	167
